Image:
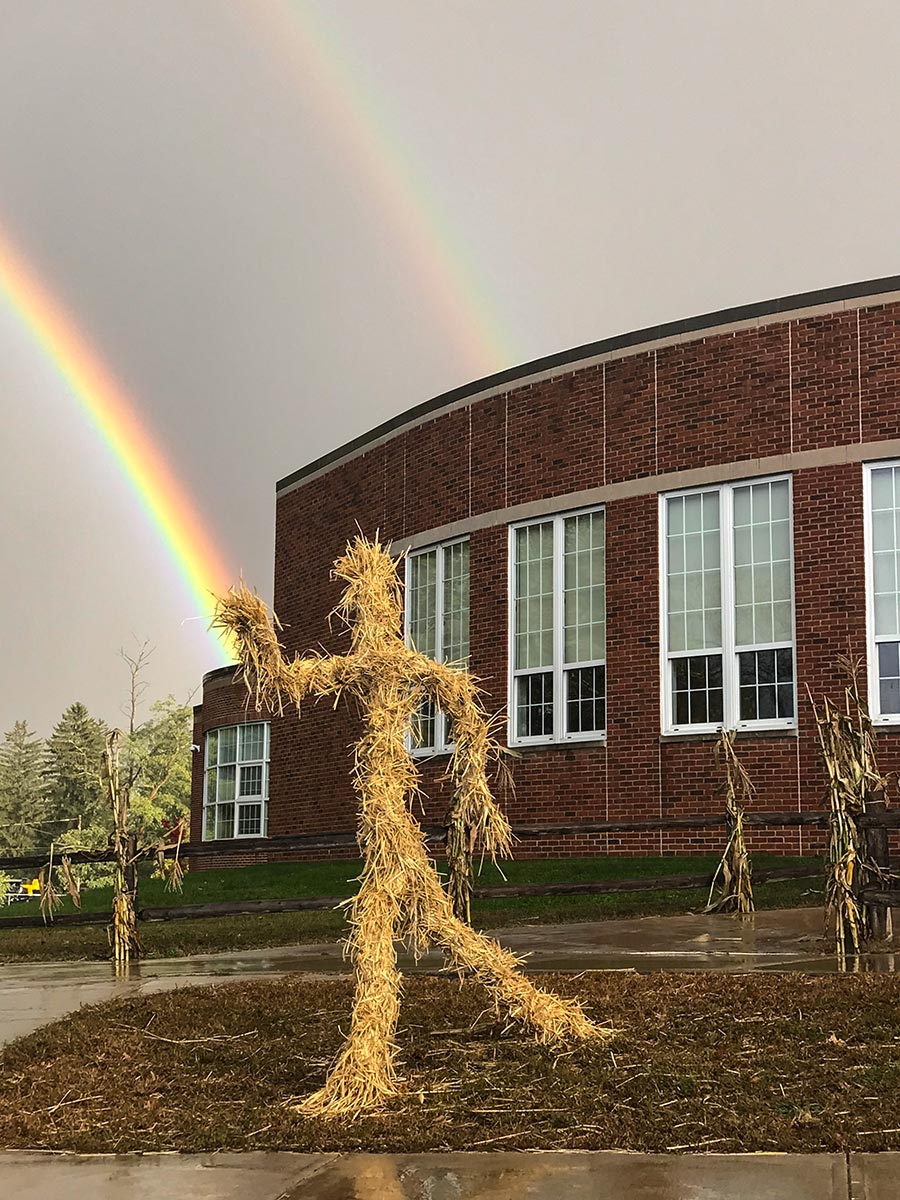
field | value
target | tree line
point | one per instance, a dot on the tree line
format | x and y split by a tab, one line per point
52	790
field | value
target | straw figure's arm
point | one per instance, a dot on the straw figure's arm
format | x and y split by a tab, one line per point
251	633
475	819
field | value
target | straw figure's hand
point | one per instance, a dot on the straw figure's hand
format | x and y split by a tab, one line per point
252	635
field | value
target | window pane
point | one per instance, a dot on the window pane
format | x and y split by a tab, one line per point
212	745
422	600
889	676
584	600
227	744
225	821
697	689
252	780
534	705
226	782
211	786
766	684
423	726
885	511
455	648
692	553
586	700
253	741
249	819
762	564
534	596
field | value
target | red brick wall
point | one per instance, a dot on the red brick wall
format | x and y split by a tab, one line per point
788	386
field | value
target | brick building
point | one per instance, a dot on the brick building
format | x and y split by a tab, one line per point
633	542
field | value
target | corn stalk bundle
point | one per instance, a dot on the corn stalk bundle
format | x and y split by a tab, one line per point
400	893
847	745
732	877
125	939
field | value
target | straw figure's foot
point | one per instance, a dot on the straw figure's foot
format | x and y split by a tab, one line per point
353	1086
554	1019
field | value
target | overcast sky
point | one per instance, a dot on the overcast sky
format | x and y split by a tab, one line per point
279	222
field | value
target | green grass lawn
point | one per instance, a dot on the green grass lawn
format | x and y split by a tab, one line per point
337	879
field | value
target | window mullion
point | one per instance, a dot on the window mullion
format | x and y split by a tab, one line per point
440	733
558	630
730	706
664	662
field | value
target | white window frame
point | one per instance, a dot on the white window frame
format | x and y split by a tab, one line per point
262	800
442	745
730	673
873	675
560	735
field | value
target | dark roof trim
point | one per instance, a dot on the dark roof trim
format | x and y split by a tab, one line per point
725	316
220	673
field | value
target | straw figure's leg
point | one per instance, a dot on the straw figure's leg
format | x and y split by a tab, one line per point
547	1015
364	1074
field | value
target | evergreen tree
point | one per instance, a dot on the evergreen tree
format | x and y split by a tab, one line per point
23	790
75	751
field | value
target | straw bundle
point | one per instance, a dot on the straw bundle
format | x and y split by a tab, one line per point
400	893
847	745
732	877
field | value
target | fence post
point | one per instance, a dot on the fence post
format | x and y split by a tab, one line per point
877	851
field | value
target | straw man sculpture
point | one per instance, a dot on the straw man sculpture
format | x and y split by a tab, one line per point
400	893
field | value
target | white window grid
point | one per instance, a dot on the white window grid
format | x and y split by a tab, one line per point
729	650
559	668
874	640
444	623
253	769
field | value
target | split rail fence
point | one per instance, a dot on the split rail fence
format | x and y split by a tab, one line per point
875	823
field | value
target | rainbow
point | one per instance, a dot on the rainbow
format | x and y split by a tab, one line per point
358	117
116	419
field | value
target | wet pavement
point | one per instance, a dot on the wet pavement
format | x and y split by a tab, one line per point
604	1175
32	994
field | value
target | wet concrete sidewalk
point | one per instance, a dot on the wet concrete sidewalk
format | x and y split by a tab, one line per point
32	994
603	1175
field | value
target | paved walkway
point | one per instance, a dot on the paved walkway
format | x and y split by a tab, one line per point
499	1176
32	994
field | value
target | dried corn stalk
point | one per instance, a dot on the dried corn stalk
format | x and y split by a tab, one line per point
847	744
400	892
732	877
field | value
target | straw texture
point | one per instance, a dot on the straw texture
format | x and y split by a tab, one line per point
400	893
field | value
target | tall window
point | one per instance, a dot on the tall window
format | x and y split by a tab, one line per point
728	612
882	525
437	624
236	784
558	623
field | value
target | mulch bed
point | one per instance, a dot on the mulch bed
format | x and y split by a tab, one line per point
703	1062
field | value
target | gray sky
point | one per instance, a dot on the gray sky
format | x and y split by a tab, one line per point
236	223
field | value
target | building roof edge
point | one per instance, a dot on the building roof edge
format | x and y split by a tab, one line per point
635	338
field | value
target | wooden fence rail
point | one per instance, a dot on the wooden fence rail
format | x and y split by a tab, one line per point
888	819
229	908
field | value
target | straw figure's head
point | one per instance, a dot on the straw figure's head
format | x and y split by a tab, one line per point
371	605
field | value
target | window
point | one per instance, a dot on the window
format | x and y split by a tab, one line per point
437	624
236	784
881	484
728	611
558	624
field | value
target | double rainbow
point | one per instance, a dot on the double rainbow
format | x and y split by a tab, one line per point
115	417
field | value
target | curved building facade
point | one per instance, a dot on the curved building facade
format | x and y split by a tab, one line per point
632	544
